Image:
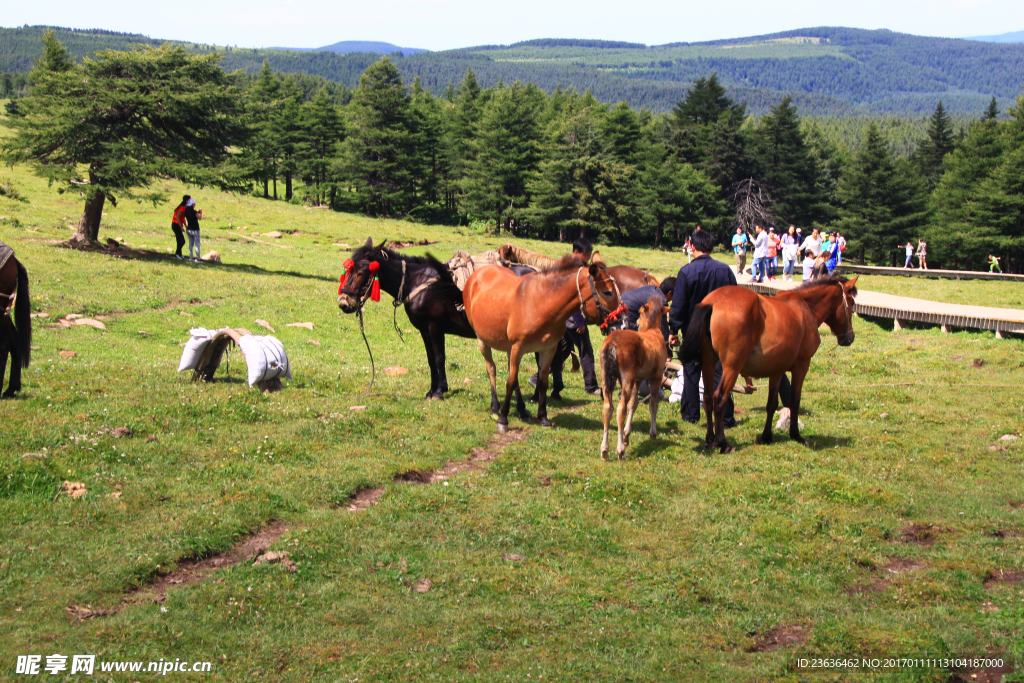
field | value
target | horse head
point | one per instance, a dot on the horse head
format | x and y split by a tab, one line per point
650	314
840	320
603	293
358	277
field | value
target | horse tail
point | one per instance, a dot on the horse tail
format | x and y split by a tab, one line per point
23	315
700	324
609	369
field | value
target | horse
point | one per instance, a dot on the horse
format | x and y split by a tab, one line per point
761	336
16	334
527	314
630	357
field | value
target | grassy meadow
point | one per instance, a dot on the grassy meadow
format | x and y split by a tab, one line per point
897	533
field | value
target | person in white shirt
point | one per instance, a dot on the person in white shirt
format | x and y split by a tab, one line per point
813	243
760	254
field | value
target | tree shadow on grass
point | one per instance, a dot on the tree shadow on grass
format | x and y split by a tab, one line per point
149	256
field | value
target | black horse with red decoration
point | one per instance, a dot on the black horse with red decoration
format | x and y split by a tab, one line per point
423	285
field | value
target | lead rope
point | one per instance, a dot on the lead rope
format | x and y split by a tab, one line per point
373	367
398	301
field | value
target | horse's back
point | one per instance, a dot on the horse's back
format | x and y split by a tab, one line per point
629	278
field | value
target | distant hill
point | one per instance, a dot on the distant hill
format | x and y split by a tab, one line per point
828	71
346	46
1014	37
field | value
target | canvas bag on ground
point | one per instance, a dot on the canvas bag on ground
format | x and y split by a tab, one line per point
194	348
264	357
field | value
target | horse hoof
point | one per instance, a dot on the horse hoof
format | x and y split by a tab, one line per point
726	448
546	423
502	428
604	455
436	397
556	397
802	441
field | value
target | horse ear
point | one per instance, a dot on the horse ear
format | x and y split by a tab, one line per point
369	243
381	245
850	284
595	269
596	258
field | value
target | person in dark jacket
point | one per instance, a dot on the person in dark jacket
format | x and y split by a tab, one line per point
634	299
178	226
695	281
192	219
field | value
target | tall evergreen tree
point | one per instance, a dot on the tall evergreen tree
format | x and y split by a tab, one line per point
883	201
379	143
125	119
786	167
932	151
318	151
507	154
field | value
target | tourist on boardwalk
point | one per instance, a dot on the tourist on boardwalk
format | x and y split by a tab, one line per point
910	256
178	226
688	250
830	250
812	243
760	254
808	264
739	245
993	264
695	281
790	247
773	251
192	219
922	254
842	246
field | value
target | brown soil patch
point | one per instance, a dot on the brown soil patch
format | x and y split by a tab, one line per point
364	498
1017	504
990	675
783	636
403	245
902	566
994	576
921	534
79	613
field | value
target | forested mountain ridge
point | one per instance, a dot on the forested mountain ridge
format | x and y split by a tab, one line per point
828	71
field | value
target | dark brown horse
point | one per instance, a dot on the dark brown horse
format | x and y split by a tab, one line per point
527	314
16	334
763	336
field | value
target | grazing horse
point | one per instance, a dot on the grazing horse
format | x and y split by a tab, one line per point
15	335
527	314
762	336
424	286
630	357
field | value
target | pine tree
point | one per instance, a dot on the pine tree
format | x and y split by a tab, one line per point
507	154
379	144
933	149
290	133
704	104
992	112
883	201
262	154
128	118
323	133
785	165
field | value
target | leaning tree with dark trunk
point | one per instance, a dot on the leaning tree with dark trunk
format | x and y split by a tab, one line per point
128	118
751	204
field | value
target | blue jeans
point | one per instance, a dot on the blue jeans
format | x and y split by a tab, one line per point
787	268
759	268
771	265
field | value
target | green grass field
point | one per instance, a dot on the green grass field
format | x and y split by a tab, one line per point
897	533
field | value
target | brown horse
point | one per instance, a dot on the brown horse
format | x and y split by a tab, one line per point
15	335
630	357
628	278
527	314
761	336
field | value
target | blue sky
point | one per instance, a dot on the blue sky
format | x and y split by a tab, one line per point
443	24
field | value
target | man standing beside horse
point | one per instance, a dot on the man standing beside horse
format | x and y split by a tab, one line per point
695	281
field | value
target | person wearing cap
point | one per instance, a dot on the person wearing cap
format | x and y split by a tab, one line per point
192	219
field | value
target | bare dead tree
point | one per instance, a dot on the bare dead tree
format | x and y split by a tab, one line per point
751	204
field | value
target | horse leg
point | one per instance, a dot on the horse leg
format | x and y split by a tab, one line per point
634	398
3	367
621	415
721	396
606	415
515	357
485	351
545	360
9	344
437	335
428	344
707	373
773	405
655	398
794	405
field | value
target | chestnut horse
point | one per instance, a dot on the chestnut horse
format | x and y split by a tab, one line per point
762	336
15	335
527	314
630	357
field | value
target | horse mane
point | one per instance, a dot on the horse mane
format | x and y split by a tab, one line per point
828	280
567	263
429	260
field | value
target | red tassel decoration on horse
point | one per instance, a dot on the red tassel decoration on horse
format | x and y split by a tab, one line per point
348	266
375	290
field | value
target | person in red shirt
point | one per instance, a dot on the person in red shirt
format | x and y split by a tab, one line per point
178	225
774	243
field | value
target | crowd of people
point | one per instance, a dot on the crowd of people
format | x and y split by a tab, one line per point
819	253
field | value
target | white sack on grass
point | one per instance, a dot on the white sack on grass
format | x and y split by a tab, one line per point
677	389
264	357
194	348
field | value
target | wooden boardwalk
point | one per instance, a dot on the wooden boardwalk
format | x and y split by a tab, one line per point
848	269
902	309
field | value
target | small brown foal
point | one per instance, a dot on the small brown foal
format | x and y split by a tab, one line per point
630	357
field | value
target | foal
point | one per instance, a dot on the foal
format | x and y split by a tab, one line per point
631	357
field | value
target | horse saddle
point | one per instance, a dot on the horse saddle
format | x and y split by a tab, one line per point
5	254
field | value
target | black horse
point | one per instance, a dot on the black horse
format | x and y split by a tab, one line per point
15	335
425	287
